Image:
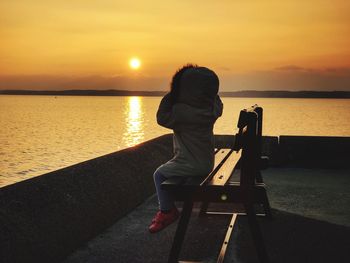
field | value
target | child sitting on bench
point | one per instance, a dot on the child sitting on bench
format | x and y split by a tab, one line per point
190	109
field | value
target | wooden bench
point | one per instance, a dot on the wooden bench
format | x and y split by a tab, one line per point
218	186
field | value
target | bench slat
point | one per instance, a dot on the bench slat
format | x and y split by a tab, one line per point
220	157
225	171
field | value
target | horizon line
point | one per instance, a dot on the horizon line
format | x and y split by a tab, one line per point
240	93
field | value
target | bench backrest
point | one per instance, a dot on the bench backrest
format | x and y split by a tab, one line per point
245	155
248	139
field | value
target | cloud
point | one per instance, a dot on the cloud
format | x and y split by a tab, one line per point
327	70
290	68
341	71
294	68
290	77
224	68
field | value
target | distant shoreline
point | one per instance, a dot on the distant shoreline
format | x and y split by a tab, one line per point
237	94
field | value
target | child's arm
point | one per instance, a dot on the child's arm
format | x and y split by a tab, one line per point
180	115
165	117
218	107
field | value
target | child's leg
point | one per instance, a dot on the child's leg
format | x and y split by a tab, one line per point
168	212
165	200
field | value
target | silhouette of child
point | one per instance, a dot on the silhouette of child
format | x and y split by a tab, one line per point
190	109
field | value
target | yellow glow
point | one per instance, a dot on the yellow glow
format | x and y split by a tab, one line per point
134	119
135	63
97	38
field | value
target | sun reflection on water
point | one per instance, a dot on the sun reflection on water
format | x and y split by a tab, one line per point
134	120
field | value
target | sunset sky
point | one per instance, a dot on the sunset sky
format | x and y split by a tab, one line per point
262	45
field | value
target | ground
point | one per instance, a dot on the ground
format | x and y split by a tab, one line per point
311	223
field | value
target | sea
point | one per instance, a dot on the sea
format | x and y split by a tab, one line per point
40	134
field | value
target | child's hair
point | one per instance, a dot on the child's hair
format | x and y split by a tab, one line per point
175	82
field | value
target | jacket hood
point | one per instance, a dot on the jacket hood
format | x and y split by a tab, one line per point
198	87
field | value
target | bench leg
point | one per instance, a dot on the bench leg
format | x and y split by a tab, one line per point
256	233
180	232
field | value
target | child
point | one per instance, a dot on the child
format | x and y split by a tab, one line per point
190	109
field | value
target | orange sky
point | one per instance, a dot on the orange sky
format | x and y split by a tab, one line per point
250	44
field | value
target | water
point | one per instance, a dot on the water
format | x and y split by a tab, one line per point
44	133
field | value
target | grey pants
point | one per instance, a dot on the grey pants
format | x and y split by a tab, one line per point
165	199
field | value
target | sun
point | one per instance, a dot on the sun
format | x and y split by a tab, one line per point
135	63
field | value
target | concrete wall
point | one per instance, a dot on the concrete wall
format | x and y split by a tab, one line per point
314	151
44	218
301	151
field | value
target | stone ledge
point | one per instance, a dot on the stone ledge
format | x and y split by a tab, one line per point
44	218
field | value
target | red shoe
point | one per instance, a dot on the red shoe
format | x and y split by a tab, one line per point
162	220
